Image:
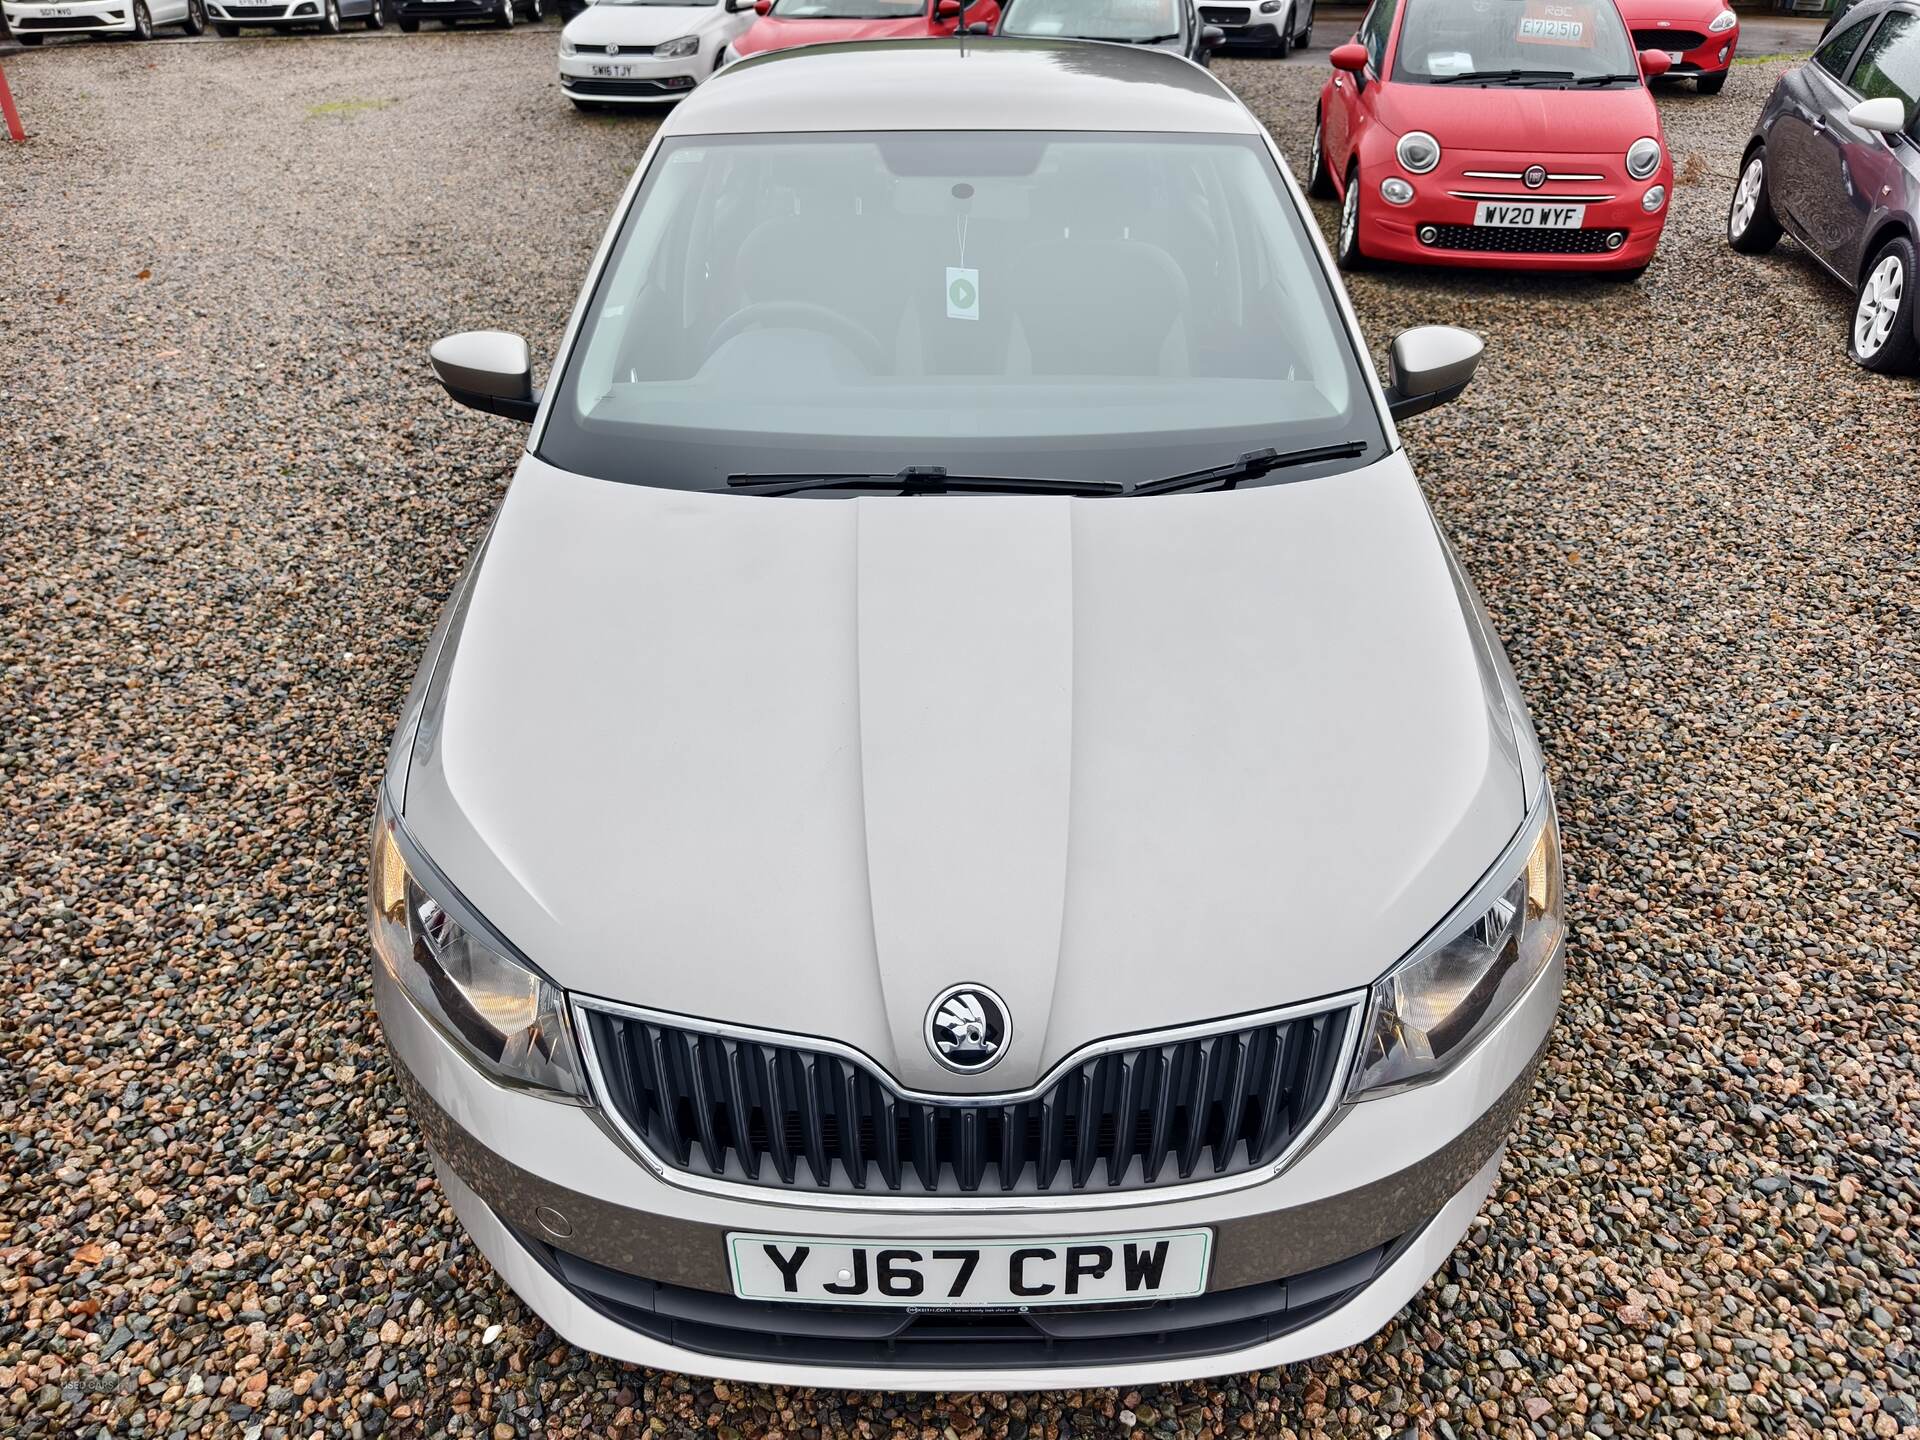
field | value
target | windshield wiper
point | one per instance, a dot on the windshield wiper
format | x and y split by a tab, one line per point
1250	466
1500	77
1604	79
922	480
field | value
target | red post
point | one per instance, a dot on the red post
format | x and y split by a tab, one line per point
12	115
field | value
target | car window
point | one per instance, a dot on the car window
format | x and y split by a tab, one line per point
1074	305
1837	53
1445	40
1890	65
1134	20
1375	29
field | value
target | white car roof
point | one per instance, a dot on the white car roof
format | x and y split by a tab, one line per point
974	83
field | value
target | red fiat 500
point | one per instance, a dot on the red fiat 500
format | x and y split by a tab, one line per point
1512	134
1697	36
784	24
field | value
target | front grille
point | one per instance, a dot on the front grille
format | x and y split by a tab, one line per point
1668	39
1502	241
616	50
773	1113
1222	15
854	1335
577	86
256	12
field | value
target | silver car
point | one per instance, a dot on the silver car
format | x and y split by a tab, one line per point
964	828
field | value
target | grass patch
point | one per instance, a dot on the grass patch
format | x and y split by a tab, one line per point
328	108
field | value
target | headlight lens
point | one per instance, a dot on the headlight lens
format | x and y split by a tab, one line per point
1418	151
1722	23
1643	157
509	1020
674	49
1396	191
1431	1009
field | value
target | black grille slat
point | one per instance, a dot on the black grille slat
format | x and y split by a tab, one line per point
1132	1118
1668	39
1504	240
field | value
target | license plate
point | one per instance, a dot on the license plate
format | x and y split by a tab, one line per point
611	72
1676	56
58	12
1528	215
971	1274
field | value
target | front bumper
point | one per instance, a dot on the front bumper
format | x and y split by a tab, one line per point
446	9
1394	1180
1437	226
83	17
1711	55
295	12
645	81
1243	24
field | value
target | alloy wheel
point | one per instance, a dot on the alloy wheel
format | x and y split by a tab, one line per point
142	21
1879	306
1350	217
1315	159
1746	197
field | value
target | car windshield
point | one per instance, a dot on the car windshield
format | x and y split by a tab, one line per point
1132	20
1077	306
848	9
1513	42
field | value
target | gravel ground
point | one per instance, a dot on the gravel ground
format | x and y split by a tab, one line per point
234	502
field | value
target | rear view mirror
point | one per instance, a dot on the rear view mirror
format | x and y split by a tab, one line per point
487	370
1428	366
1212	37
1351	56
1654	63
1884	116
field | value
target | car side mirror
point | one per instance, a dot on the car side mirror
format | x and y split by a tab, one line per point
1654	63
1212	37
487	370
1351	57
1428	366
947	9
762	7
1884	116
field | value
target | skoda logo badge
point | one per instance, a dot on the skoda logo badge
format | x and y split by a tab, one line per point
1535	177
967	1028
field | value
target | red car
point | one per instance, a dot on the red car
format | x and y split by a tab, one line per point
1510	134
784	24
1698	36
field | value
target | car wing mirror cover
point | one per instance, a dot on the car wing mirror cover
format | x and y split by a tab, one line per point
1885	115
1428	366
1654	63
1212	37
488	370
1351	56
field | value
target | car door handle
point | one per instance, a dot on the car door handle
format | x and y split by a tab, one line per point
1819	122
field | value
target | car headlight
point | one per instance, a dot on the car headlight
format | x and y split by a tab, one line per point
1418	151
1722	23
567	47
1429	1010
509	1019
675	49
1643	157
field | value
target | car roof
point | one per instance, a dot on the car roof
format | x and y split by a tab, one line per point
970	83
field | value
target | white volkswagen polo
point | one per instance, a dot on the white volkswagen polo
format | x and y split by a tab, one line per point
646	52
964	827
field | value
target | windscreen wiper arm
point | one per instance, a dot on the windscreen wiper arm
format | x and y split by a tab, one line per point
1501	76
1250	466
1604	79
922	480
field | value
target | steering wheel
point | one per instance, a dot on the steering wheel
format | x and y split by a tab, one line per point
807	316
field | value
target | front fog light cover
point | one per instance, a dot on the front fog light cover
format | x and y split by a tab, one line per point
508	1019
1396	191
1655	197
1430	1009
1418	151
677	49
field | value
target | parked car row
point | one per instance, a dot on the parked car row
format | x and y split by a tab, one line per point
32	21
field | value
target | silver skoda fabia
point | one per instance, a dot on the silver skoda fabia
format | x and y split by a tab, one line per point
964	828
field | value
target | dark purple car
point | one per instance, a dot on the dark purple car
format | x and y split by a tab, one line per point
1835	162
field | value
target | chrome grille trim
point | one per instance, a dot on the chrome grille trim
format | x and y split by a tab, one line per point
1531	197
1521	174
1348	1008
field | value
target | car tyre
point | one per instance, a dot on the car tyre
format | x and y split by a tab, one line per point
1284	46
503	17
1319	178
196	21
330	18
1882	338
1711	84
142	21
1347	252
30	39
536	11
1752	227
377	15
